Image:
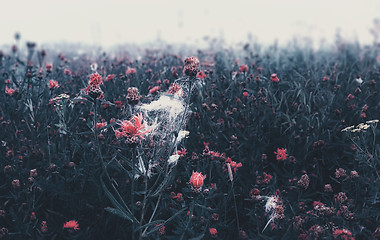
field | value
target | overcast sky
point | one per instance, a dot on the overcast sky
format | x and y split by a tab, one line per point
110	22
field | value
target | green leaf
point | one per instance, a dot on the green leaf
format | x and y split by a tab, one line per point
118	213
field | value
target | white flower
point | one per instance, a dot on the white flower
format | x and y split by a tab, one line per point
173	159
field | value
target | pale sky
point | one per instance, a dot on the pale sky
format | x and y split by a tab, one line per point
111	22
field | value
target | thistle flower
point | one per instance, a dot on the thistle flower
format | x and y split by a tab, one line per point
53	84
243	68
213	232
71	225
196	181
274	78
191	67
93	88
281	154
9	91
133	129
133	96
304	181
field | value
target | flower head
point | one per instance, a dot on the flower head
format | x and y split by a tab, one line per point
243	68
213	232
196	181
201	75
53	84
95	79
281	154
130	71
9	91
133	96
132	129
274	78
191	67
71	225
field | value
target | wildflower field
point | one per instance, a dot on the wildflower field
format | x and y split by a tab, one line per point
245	142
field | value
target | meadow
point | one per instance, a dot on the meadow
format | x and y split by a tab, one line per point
245	142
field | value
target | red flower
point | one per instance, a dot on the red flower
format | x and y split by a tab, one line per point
100	125
196	180
182	153
53	84
133	127
201	75
71	225
274	78
213	232
243	68
130	71
110	77
67	72
9	91
154	89
191	67
95	79
49	67
245	94
281	154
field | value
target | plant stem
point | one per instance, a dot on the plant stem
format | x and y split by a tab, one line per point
133	191
236	213
190	217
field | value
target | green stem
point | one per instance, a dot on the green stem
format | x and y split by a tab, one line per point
190	217
133	191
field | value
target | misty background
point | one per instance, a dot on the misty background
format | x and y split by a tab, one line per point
109	23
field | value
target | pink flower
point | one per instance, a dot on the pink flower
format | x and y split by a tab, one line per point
101	125
196	180
274	78
53	84
132	127
71	225
201	75
281	154
243	68
213	232
154	89
130	71
9	91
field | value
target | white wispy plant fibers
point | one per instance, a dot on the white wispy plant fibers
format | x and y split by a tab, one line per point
173	159
165	111
181	135
270	208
